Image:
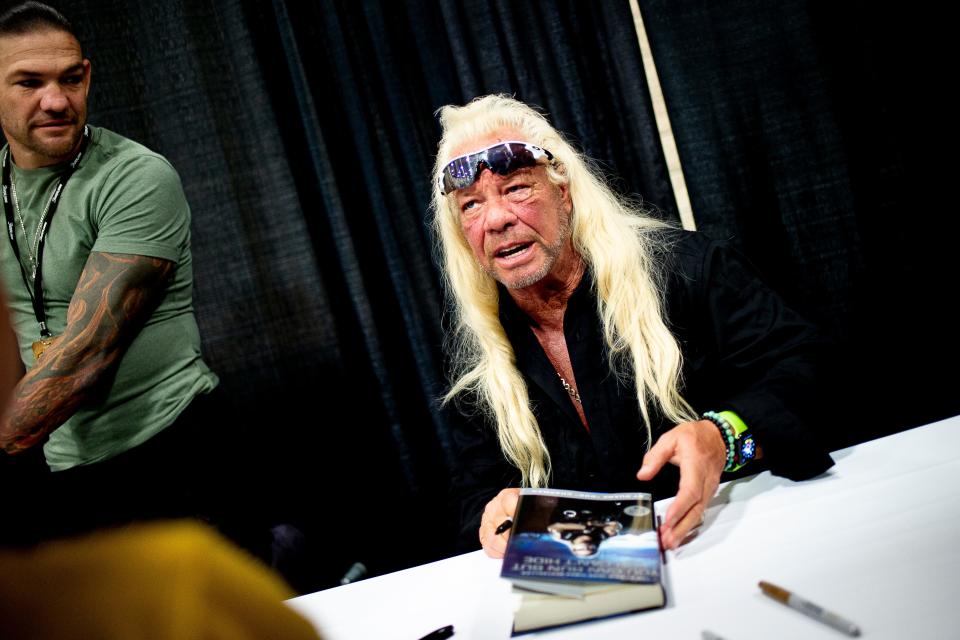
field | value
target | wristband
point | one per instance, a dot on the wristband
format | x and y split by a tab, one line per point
745	447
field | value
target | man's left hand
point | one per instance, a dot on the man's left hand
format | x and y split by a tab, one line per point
700	452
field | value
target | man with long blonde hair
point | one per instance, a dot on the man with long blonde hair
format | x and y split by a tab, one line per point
588	336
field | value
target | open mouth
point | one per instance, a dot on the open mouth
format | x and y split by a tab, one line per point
512	250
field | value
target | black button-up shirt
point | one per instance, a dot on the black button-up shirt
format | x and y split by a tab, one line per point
743	350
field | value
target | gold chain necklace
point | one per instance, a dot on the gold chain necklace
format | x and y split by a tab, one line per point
570	389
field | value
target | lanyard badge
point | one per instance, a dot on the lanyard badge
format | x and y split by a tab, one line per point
36	293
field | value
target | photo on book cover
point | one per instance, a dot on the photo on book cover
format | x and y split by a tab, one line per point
581	536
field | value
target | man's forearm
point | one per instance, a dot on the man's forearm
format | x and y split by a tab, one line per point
114	297
37	408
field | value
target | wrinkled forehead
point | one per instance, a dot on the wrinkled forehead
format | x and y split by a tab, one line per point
483	141
23	52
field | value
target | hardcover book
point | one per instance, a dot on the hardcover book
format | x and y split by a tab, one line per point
574	555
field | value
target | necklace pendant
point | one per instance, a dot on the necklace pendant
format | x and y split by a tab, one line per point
41	345
33	273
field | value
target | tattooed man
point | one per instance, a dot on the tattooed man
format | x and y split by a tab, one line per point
97	272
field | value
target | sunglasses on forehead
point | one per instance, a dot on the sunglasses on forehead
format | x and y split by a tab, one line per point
502	158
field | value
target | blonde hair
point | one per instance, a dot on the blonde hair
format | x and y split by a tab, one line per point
612	235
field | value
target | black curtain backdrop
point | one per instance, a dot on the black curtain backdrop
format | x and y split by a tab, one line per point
815	137
304	134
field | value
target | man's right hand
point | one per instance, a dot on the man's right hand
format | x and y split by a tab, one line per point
501	508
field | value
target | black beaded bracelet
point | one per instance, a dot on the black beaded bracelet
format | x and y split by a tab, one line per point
726	430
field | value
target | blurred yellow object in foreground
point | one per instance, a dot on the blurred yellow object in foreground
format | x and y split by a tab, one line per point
170	580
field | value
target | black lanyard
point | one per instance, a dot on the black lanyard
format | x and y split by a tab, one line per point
36	295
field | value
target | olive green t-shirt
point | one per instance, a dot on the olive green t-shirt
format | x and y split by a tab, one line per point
123	198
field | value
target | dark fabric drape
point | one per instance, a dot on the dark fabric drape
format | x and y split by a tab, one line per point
811	134
304	135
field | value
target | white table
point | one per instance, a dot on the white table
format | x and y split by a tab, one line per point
876	539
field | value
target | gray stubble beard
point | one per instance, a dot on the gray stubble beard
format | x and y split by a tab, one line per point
553	252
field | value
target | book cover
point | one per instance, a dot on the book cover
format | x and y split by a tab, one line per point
577	555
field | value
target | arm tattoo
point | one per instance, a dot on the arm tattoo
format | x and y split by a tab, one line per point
114	298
